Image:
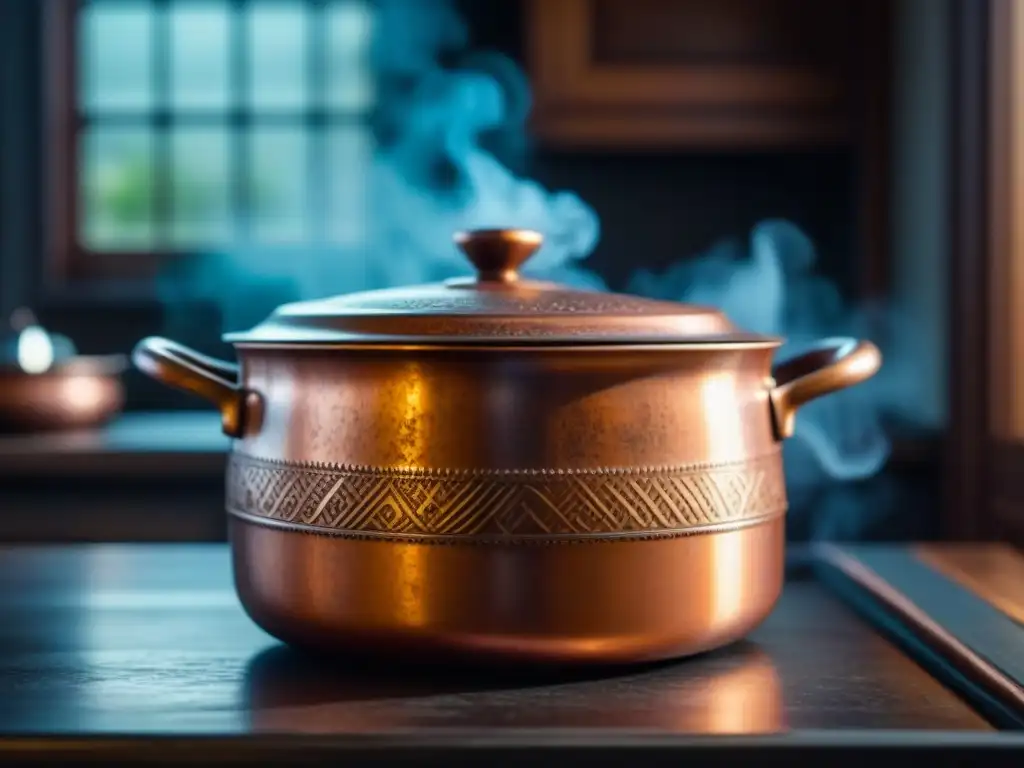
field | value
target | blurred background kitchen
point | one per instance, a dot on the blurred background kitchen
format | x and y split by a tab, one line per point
813	167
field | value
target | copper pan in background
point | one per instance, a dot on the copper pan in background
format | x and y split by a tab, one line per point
45	385
79	393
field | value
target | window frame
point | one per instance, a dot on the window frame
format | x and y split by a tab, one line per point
66	261
70	267
61	176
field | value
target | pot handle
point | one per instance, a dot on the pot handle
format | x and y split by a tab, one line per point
832	365
215	380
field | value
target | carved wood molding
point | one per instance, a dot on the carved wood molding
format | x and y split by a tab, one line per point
593	88
985	456
1004	467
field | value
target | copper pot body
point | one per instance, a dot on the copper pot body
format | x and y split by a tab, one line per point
543	504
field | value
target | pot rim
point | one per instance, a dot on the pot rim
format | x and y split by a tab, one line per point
415	345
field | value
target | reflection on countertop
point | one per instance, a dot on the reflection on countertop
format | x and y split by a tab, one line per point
737	691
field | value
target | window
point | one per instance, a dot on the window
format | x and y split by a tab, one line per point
188	126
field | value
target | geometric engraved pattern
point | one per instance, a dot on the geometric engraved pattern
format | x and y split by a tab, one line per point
476	506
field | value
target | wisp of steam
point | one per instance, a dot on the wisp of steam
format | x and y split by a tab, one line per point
431	176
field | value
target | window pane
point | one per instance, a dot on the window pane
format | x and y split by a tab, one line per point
278	189
349	155
349	29
277	55
200	192
116	61
117	188
199	55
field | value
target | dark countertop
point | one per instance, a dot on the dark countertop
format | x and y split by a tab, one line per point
957	608
135	445
106	648
144	477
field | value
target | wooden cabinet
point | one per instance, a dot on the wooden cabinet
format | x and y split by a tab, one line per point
985	448
701	73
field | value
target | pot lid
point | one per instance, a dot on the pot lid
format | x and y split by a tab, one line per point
494	306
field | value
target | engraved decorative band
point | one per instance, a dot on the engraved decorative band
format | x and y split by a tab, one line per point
505	505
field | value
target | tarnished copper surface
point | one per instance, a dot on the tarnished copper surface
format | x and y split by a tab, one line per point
513	408
523	498
587	407
585	602
81	392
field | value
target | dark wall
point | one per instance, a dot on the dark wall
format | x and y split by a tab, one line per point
20	180
656	209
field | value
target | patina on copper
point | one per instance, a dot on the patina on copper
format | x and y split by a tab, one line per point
505	469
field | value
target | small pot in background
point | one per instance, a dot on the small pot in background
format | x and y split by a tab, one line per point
46	385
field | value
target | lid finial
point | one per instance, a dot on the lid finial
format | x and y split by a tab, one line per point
498	253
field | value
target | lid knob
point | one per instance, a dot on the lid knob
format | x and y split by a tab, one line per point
498	253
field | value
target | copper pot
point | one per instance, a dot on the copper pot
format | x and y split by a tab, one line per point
503	469
81	392
46	385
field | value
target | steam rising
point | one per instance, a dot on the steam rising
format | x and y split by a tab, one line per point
431	176
770	287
